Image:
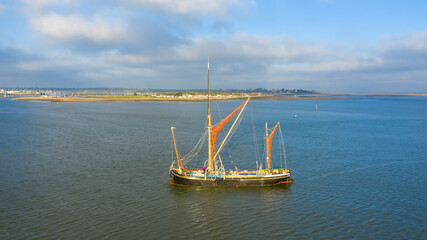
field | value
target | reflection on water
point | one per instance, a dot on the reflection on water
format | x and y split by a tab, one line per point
100	170
232	212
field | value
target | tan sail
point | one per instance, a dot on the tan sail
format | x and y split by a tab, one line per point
219	126
268	143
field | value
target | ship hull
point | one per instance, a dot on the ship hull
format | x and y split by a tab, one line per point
178	179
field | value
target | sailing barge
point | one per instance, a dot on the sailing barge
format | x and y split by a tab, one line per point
213	173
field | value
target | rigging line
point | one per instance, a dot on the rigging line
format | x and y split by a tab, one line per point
232	131
230	134
196	149
265	151
219	112
202	136
238	116
200	143
224	128
196	161
171	148
283	145
187	159
191	154
280	150
255	141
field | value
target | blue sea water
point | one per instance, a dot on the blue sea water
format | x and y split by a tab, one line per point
100	170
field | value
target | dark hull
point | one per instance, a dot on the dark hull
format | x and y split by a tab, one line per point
178	179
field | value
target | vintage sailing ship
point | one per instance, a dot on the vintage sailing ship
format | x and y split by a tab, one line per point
213	173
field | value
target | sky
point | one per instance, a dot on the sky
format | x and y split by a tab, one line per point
323	45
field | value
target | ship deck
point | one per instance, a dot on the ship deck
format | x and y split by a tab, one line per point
228	178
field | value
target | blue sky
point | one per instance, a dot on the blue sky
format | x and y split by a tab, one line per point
326	45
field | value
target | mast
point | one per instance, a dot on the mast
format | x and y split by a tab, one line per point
210	160
213	131
266	147
209	91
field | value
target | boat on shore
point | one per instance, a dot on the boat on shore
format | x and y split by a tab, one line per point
213	173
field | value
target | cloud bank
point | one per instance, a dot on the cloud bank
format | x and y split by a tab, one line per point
146	43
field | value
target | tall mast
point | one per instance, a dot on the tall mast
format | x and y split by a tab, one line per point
210	162
266	147
209	91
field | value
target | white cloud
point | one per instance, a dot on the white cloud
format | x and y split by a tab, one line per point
242	47
126	59
189	6
76	27
414	42
164	50
260	61
235	47
55	61
330	66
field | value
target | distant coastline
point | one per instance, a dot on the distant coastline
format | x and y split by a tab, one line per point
167	99
139	98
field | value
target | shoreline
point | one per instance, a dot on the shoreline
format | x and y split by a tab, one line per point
325	96
164	99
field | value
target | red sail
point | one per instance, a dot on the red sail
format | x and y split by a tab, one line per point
269	146
220	125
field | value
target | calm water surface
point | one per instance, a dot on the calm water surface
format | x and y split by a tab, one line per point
100	170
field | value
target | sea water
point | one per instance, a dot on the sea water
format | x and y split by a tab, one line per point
100	170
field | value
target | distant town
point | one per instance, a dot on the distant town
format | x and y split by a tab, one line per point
146	92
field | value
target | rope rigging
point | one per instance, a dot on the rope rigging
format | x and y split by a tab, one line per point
196	149
228	147
220	145
232	131
282	147
257	156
